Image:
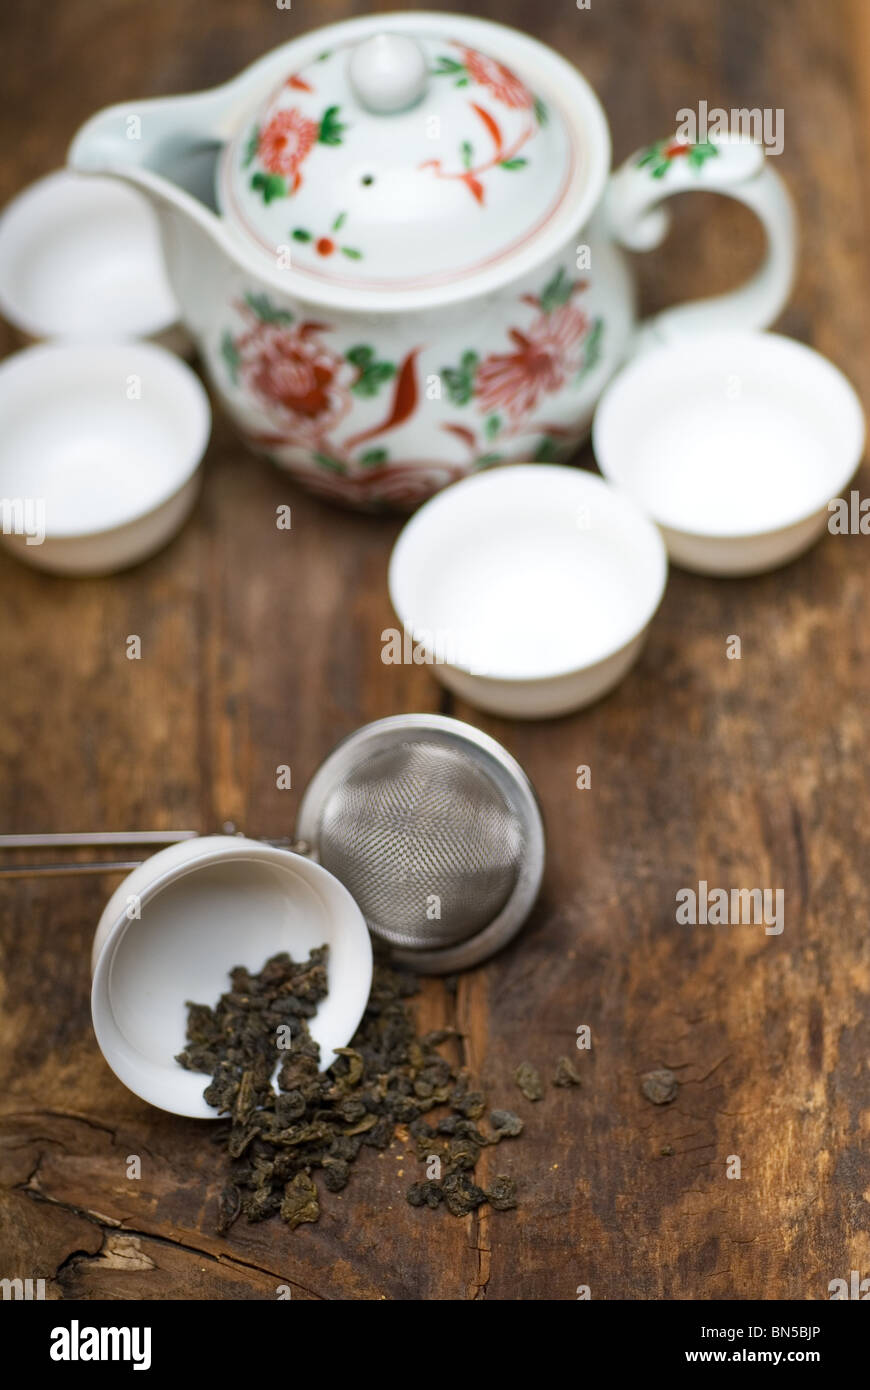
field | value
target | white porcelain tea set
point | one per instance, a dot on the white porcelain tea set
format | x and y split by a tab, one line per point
397	250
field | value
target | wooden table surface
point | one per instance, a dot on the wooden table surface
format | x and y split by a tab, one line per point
262	647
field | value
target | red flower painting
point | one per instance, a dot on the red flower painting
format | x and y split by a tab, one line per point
286	142
504	84
547	356
296	378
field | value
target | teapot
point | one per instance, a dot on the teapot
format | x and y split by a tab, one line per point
398	247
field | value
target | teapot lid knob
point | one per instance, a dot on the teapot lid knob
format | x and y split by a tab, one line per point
388	73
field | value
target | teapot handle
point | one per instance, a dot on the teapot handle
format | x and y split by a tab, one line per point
734	167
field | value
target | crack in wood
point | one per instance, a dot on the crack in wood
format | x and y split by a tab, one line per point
60	1115
230	1261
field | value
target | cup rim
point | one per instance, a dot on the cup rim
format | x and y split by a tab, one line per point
58	189
182	860
43	358
505	475
740	340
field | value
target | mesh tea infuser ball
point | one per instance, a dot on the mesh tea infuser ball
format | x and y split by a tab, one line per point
435	830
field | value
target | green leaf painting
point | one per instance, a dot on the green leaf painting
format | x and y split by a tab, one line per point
460	380
269	186
331	128
372	373
265	309
557	291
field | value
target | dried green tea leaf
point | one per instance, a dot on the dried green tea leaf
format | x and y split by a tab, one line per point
300	1201
529	1081
566	1073
354	1067
462	1155
502	1193
659	1087
425	1194
336	1172
461	1195
260	1203
505	1123
289	1107
229	1206
367	1122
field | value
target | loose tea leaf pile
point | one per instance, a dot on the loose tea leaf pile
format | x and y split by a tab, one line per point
316	1120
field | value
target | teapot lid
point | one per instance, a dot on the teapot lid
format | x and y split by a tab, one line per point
406	158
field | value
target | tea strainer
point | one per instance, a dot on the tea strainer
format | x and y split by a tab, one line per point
431	825
435	831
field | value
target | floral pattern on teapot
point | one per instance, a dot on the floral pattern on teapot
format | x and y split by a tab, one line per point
298	385
282	146
504	86
660	156
300	163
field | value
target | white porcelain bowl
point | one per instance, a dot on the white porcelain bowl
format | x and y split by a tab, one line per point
529	588
207	905
80	257
734	443
100	451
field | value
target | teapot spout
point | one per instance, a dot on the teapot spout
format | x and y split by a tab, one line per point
168	150
168	147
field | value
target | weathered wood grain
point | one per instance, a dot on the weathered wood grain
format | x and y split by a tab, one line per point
262	647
